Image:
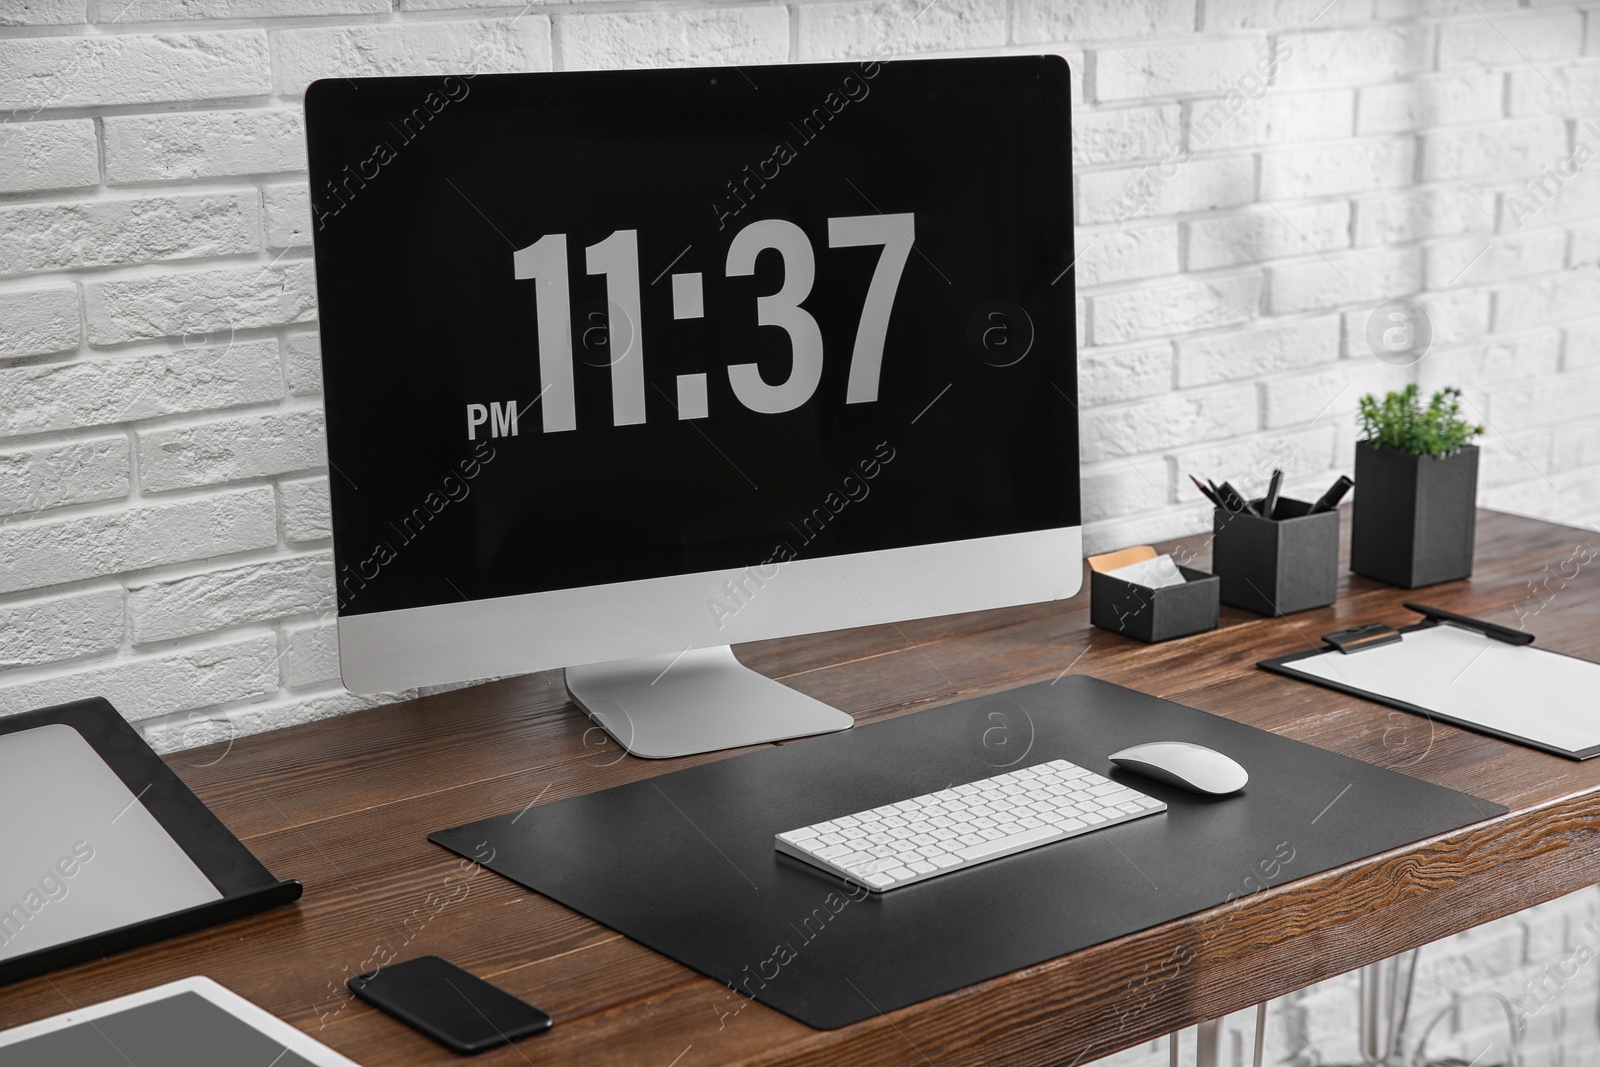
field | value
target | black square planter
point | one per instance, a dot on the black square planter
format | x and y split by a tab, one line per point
1277	566
1150	615
1415	516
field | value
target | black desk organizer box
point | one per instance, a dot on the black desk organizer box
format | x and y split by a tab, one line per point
1277	566
1151	615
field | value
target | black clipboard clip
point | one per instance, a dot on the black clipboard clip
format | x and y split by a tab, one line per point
1467	622
1358	638
1373	634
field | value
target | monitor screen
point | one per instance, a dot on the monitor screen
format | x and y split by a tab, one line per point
588	328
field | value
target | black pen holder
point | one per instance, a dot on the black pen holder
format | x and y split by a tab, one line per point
1277	566
1150	615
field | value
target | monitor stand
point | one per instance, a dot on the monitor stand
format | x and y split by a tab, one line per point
701	700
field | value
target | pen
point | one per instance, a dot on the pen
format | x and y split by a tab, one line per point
1269	506
1488	629
1207	493
1229	494
1335	493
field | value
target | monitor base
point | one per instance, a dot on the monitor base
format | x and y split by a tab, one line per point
701	700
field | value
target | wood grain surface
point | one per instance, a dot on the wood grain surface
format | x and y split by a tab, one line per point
345	805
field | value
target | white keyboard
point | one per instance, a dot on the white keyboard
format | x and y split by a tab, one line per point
965	825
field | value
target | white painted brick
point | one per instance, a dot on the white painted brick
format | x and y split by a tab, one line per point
1356	56
1583	347
1374	275
1133	72
176	10
1165	422
218	300
482	47
1525	305
305	509
44	12
1478	260
1508	459
1175	307
1348	167
1126	253
304	362
204	144
312	656
1123	488
286	215
661	38
226	450
38	477
101	232
1503	151
1574	445
1273	14
214	600
36	322
1509	40
52	628
877	28
1585	250
1326	396
1249	463
46	552
1400	9
1124	134
181	732
1541	403
1279	118
95	392
1455	317
155	685
1529	204
1267	233
1106	375
1413	105
38	73
1500	359
1096	20
1396	218
1572	90
1263	349
1202	184
48	155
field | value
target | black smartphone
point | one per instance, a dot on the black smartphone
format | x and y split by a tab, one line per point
459	1010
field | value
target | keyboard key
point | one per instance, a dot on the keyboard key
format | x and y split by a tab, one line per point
995	847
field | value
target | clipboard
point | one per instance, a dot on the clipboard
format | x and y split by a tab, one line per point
104	848
1464	671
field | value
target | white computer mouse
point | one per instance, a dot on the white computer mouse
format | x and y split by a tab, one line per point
1192	767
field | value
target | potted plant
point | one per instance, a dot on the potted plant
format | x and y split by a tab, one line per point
1416	489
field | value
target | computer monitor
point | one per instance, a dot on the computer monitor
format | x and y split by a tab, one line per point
624	367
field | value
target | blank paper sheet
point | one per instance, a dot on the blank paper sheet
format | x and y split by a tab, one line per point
1518	690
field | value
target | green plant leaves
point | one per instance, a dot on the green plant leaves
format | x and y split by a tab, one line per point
1399	421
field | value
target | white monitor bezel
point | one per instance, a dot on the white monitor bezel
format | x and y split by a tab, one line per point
386	651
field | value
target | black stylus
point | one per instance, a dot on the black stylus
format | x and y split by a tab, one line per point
1335	493
1488	629
1269	506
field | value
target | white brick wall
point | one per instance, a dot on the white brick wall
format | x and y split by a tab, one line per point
164	533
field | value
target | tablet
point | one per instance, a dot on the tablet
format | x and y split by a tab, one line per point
193	1022
103	848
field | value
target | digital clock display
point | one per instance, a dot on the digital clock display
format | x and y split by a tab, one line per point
587	328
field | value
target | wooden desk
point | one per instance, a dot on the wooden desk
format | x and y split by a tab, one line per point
345	805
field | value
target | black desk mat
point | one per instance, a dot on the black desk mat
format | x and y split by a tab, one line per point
684	863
